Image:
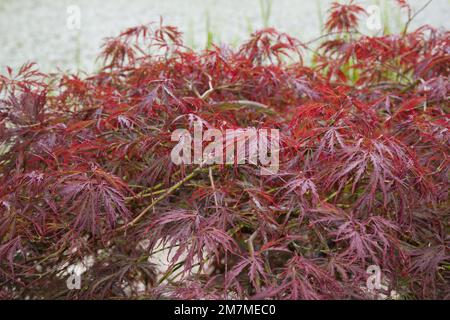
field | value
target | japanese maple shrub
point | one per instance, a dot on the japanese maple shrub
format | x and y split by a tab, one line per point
86	174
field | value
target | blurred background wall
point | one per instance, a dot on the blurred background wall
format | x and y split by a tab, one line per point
36	30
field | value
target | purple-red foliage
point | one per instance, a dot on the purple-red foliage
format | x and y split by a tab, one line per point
86	170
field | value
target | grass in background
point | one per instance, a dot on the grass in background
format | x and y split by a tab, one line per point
209	33
265	7
320	15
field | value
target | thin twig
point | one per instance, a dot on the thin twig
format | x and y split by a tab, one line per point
210	90
415	15
162	197
213	187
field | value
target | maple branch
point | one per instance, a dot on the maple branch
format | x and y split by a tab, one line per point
245	103
415	15
162	197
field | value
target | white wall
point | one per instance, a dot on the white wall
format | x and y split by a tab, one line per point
36	29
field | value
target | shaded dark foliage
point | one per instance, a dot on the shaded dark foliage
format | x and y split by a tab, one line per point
86	170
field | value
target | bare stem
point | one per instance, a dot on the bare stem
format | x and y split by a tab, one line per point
160	198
